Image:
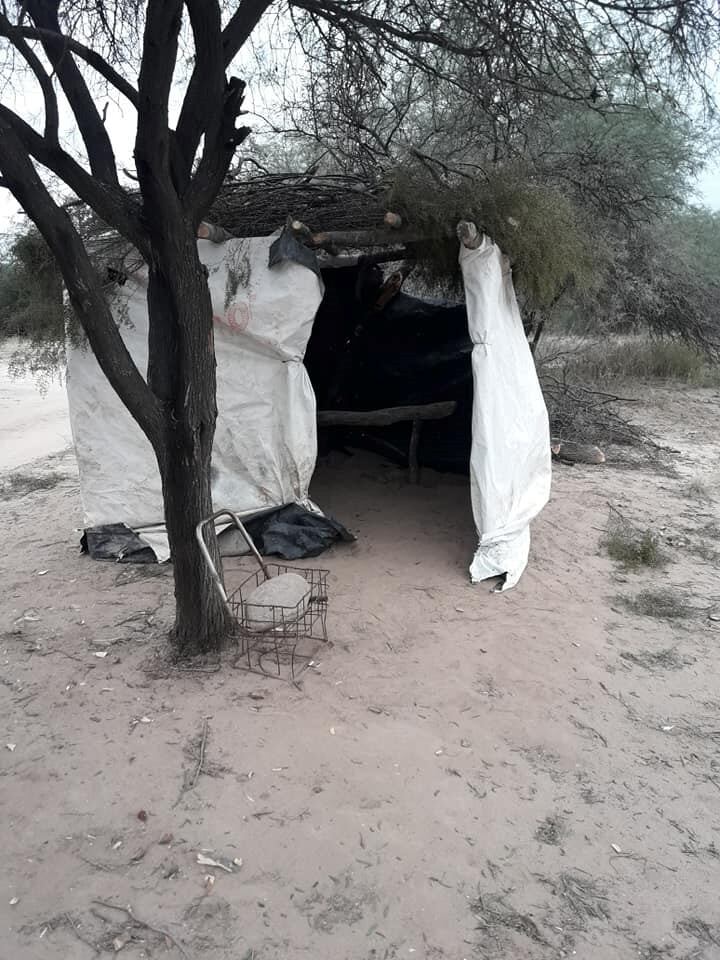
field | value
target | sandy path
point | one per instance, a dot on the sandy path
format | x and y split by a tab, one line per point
464	775
33	424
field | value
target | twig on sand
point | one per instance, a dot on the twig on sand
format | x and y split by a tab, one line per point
201	757
74	927
192	782
130	914
109	867
621	700
591	730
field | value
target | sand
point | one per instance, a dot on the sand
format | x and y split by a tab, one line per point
34	424
462	774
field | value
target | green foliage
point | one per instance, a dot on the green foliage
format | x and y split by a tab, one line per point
541	231
31	291
32	308
662	277
628	164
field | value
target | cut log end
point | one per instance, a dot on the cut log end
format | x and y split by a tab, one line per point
468	235
213	233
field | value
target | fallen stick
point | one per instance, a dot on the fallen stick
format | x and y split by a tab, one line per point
190	784
201	758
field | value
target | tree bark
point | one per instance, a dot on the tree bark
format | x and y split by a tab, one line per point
181	373
201	620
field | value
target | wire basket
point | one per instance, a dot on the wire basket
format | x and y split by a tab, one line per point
274	639
274	636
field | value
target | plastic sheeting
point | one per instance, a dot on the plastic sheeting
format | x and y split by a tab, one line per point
265	440
510	469
294	532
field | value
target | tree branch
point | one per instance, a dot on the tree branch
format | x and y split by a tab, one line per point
110	202
153	142
203	103
192	122
240	26
218	151
64	44
52	121
92	129
81	280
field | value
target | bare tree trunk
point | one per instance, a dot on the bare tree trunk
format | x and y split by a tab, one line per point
201	623
181	373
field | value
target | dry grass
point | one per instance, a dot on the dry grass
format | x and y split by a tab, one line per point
20	484
659	604
552	830
703	932
582	378
667	659
634	358
584	897
494	916
697	490
629	545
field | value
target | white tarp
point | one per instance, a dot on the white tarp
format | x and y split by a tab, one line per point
265	441
510	469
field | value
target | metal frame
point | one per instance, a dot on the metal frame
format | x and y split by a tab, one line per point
236	522
286	626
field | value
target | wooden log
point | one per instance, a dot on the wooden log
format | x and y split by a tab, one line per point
569	451
352	239
352	260
385	417
213	233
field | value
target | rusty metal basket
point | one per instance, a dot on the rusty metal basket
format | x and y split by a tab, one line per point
275	640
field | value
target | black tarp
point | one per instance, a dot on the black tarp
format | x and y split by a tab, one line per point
115	541
291	532
294	532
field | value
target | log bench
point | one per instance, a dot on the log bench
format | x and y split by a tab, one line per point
387	416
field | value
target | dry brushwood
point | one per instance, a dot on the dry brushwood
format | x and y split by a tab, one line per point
260	205
583	415
133	925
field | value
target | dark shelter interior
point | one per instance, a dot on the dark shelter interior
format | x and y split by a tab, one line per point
374	347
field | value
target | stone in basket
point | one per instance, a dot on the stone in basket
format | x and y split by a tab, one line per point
277	603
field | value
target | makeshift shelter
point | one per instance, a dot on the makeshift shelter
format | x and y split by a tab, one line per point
294	332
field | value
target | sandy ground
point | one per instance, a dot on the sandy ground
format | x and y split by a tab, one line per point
461	775
34	424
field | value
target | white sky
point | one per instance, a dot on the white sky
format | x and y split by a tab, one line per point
709	187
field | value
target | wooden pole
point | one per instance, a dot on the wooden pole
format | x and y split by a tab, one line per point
413	465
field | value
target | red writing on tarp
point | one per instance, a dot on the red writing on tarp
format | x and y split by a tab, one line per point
236	317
